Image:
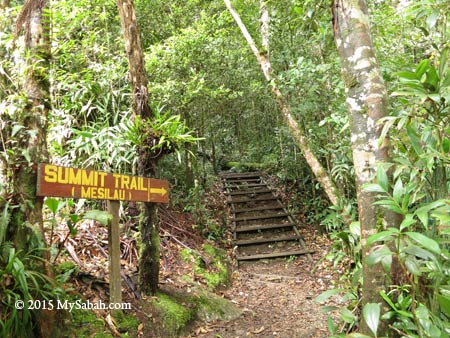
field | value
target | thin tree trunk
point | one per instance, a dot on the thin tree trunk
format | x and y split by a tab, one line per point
149	226
263	59
367	104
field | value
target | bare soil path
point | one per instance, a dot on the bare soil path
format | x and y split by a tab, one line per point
277	298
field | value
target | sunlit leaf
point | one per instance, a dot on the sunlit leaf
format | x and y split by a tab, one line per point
54	204
398	190
422	68
371	314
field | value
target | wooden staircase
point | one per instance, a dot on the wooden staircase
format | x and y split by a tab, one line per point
262	226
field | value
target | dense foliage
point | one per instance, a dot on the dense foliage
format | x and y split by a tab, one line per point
207	90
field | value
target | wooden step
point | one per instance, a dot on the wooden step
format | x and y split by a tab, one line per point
274	255
240	175
251	218
248	192
251	185
237	211
259	199
256	179
266	240
256	227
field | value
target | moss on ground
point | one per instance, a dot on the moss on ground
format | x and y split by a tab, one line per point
216	273
210	307
175	316
127	324
85	324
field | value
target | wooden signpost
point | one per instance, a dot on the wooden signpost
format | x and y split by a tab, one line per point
58	181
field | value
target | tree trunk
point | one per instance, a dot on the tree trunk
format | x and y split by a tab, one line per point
31	139
30	146
263	59
367	104
149	225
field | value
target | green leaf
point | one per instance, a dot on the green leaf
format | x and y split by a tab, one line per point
422	68
376	256
391	205
398	191
15	129
444	303
382	178
357	335
432	79
371	314
54	205
347	316
100	216
432	19
330	324
446	145
372	187
355	229
386	235
412	265
425	241
407	221
418	252
388	300
327	294
414	138
4	220
407	75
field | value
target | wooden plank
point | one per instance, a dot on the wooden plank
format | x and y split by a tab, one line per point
274	255
242	180
115	280
58	181
245	185
256	227
259	199
274	207
265	240
248	192
251	218
240	175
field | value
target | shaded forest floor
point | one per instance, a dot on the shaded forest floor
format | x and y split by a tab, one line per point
277	298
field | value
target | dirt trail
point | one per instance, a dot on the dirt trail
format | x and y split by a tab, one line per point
277	299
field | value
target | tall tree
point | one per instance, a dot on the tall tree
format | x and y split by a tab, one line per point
367	103
149	227
27	140
297	133
31	122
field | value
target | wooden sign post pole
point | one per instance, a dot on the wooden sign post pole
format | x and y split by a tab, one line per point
115	285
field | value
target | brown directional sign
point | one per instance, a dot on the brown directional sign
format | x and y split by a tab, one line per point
60	181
